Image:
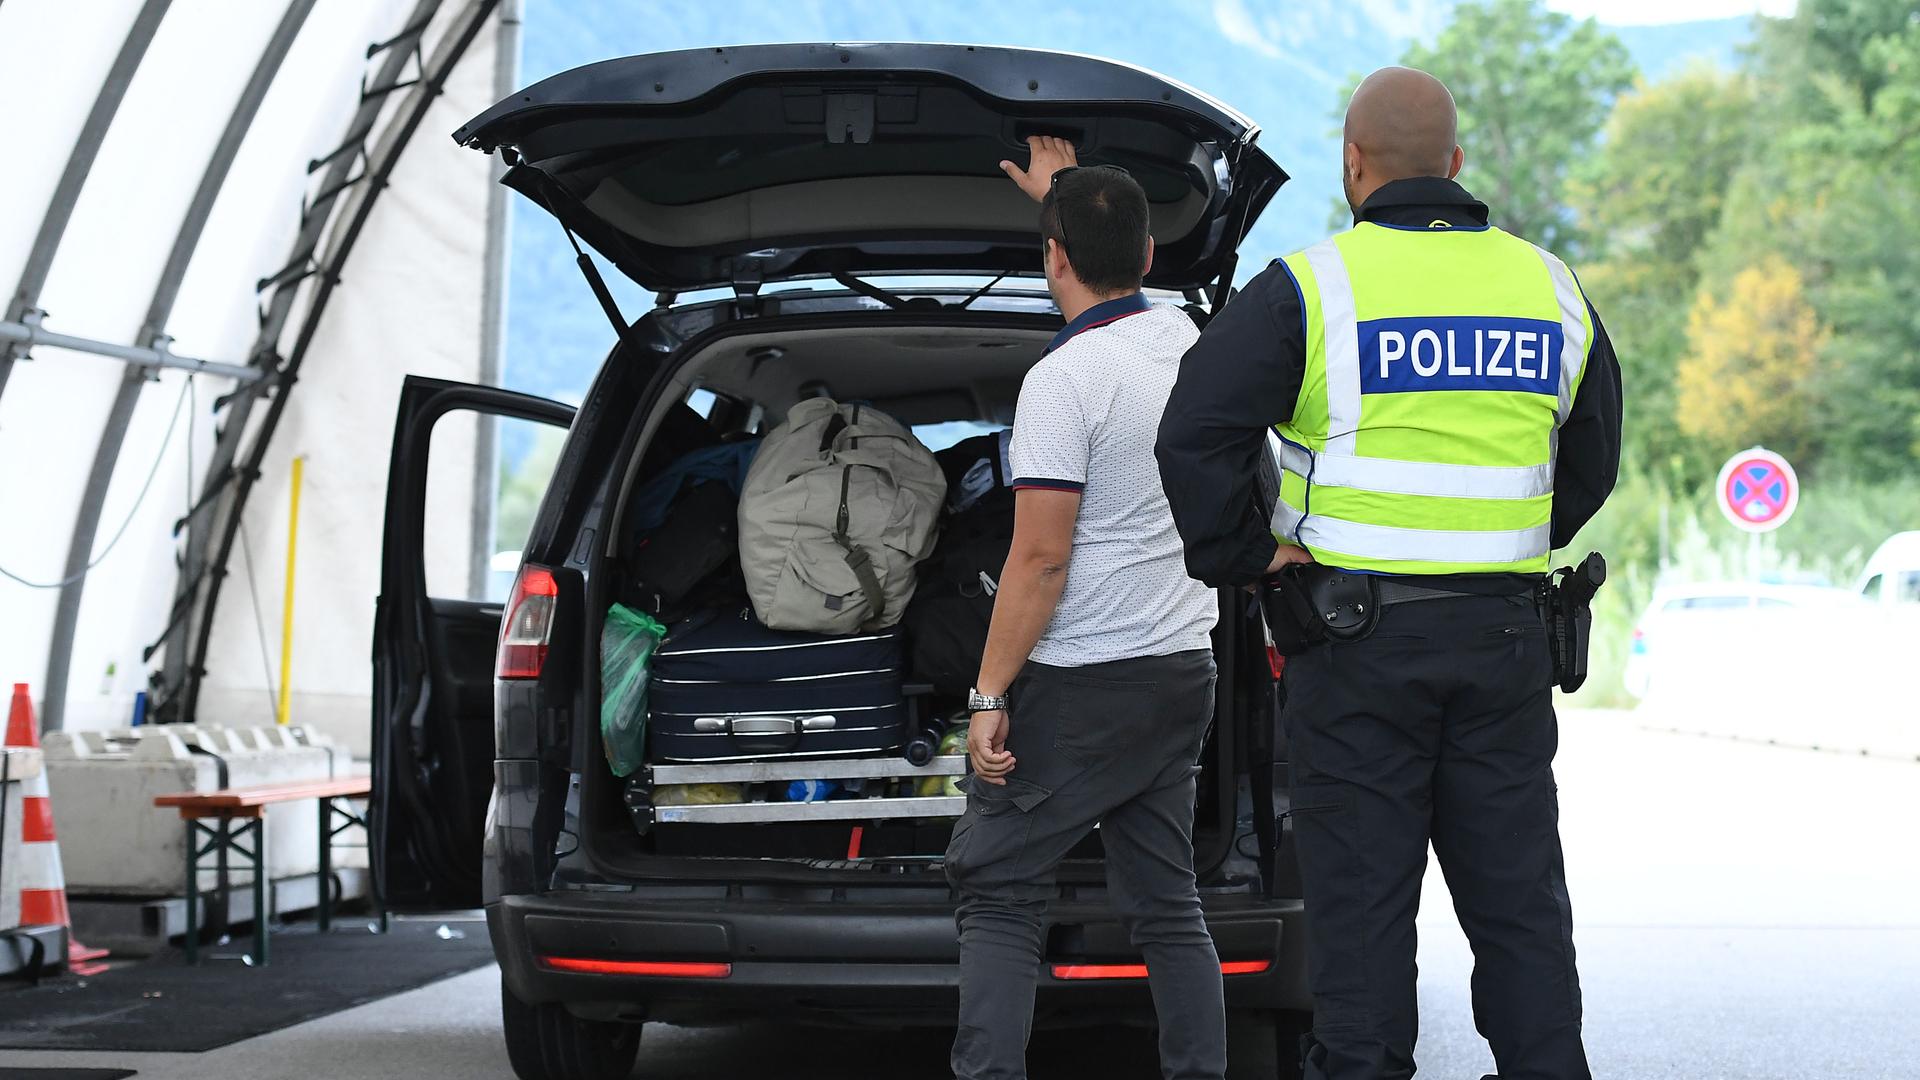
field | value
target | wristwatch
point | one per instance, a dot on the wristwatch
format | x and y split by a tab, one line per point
979	702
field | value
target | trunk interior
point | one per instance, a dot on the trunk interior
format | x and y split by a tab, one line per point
948	377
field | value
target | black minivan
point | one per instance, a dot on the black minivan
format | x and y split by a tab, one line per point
796	187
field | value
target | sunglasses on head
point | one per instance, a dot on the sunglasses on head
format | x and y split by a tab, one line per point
1061	219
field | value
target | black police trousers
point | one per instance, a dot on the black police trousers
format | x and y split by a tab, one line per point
1438	727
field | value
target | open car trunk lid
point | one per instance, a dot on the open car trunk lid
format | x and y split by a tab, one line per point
738	166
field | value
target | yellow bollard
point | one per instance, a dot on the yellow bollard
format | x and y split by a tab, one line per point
286	607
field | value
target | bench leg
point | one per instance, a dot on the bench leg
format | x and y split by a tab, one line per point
193	891
221	921
325	913
259	828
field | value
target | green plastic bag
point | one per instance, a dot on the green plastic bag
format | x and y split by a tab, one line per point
626	658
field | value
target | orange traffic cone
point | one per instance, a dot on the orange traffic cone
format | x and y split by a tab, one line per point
43	888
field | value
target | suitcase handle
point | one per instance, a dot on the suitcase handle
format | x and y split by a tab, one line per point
765	733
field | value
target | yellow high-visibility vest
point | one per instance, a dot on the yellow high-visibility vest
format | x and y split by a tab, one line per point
1441	363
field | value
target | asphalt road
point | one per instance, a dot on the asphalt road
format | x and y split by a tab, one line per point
1745	912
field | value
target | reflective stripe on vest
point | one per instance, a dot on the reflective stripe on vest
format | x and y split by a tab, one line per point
1413	545
1444	311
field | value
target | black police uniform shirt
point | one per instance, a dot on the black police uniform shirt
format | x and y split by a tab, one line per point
1243	376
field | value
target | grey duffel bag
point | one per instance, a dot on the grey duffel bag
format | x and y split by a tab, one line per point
840	505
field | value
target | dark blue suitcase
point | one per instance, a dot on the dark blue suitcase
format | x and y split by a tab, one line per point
725	688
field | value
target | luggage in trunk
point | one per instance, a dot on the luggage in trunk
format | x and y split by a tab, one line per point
953	606
726	688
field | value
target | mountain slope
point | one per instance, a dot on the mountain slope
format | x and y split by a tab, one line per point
1245	52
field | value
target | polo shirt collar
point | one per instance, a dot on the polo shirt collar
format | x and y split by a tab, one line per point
1100	314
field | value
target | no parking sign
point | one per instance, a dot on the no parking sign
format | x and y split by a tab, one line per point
1757	490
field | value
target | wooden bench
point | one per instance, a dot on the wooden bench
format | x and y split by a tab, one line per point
249	806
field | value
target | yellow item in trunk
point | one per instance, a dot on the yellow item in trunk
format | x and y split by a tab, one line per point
953	742
699	794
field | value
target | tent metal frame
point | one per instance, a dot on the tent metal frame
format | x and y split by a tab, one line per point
153	337
352	176
213	523
23	310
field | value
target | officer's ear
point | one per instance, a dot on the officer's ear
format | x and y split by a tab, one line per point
1459	159
1148	267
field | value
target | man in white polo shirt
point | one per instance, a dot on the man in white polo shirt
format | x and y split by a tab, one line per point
1096	687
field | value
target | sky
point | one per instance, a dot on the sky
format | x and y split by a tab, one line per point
1650	12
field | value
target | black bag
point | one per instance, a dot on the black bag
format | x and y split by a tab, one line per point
699	538
726	688
953	604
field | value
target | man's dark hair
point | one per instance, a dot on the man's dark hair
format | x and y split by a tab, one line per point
1098	216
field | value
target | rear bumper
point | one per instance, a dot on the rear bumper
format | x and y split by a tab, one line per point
848	962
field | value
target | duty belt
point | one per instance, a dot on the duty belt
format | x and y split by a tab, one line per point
1388	592
1305	605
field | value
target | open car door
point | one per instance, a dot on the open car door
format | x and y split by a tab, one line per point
437	622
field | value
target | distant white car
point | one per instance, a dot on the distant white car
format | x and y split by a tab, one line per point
1735	632
1892	576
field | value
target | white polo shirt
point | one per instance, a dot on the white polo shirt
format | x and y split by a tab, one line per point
1088	416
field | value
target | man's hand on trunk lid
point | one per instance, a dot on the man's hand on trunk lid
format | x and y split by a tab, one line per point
1049	156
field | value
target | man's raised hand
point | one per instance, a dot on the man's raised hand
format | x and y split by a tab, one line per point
1049	155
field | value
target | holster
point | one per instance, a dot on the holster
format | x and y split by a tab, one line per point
1289	614
1305	605
1565	598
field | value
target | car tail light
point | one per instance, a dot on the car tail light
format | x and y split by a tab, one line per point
1276	663
528	624
1139	971
672	969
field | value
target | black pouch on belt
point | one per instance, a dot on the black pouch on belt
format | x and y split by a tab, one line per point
1290	617
1305	605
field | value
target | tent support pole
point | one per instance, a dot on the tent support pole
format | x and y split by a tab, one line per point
153	338
493	317
461	29
200	524
24	307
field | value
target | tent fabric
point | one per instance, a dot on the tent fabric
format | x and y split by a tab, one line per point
409	301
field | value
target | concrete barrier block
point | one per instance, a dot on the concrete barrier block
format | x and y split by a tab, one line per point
10	800
278	738
309	736
65	745
220	740
117	843
159	745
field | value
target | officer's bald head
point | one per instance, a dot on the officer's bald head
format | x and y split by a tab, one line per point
1401	123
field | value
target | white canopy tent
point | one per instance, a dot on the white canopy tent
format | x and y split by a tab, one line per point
224	260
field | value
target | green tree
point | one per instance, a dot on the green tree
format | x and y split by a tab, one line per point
1833	188
1750	354
1650	196
1533	88
1822	59
523	485
1654	190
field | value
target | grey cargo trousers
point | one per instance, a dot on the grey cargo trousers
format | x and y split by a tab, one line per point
1113	745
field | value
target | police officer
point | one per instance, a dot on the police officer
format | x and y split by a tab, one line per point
1447	408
